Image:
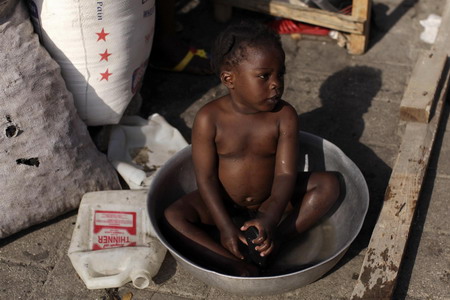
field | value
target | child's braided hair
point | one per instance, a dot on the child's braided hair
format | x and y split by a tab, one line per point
229	48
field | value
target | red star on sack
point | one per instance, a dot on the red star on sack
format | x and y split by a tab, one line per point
102	35
105	75
104	55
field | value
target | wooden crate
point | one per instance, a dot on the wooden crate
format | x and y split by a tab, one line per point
354	26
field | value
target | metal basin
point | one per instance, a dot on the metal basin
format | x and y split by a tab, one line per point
305	259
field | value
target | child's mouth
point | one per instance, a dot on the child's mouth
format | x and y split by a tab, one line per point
273	99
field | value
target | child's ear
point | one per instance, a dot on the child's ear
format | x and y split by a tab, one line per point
227	79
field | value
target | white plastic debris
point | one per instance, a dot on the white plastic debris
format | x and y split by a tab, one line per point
431	27
139	147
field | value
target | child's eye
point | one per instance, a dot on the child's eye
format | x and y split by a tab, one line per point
263	76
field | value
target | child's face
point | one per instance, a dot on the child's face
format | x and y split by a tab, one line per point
258	81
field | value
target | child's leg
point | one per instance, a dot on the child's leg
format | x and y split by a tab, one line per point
318	192
185	218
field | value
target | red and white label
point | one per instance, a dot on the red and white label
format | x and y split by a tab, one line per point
114	229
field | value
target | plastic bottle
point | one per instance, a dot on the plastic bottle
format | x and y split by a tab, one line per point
113	241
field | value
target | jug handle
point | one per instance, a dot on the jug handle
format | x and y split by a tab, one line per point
104	281
139	277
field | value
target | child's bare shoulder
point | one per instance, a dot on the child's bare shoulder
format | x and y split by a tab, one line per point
285	109
211	110
213	107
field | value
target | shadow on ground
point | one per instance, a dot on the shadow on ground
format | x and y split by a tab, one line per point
346	96
382	22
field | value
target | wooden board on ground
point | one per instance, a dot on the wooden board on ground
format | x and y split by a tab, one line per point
378	276
421	91
420	95
379	272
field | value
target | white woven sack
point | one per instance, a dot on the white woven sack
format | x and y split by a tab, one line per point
102	48
47	159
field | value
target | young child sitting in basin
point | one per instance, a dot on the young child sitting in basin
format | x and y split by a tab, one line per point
245	152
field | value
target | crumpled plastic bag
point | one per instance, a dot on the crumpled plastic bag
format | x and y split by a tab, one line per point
139	147
431	28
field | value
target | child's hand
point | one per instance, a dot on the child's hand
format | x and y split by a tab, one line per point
264	241
229	239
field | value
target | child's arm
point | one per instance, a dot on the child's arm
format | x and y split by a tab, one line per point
204	156
271	211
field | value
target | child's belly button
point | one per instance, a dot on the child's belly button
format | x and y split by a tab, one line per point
249	199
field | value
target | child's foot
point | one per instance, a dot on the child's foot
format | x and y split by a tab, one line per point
243	269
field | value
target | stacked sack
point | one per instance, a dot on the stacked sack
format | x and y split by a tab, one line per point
47	159
102	47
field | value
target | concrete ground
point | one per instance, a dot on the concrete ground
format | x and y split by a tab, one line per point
353	101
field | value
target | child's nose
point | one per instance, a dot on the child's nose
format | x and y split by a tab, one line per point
276	84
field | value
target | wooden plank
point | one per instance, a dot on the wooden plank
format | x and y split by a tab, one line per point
418	100
422	88
319	17
357	42
443	37
379	272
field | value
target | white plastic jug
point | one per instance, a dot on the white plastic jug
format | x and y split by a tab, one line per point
113	241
